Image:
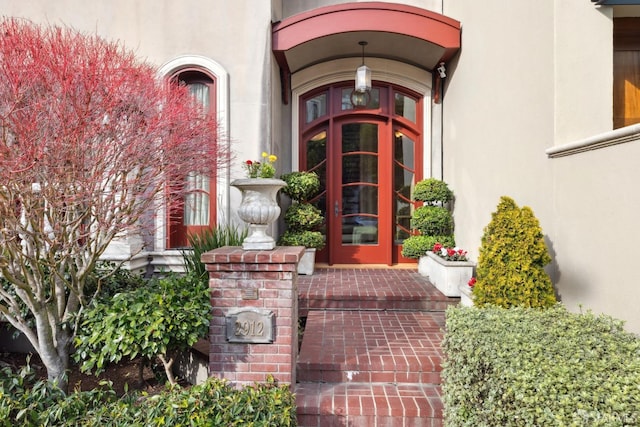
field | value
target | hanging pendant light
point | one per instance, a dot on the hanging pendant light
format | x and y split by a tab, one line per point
360	96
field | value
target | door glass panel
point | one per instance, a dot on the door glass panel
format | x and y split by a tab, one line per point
374	99
403	183
405	106
359	188
317	162
316	107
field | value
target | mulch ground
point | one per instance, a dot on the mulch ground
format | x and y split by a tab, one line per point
123	375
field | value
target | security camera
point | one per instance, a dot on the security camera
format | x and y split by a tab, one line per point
442	70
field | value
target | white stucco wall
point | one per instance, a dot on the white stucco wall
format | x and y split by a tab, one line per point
583	78
532	76
498	112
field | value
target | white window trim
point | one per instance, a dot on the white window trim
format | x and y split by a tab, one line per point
222	108
384	70
602	140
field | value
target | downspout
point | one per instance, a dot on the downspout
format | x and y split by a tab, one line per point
440	75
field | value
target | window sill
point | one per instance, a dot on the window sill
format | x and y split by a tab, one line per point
603	140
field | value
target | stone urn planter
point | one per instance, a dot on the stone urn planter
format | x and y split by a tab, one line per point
446	276
259	209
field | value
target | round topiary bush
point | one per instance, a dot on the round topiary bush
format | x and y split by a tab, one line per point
432	221
432	191
308	239
511	262
301	186
303	216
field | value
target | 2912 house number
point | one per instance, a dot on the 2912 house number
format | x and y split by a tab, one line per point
250	328
250	325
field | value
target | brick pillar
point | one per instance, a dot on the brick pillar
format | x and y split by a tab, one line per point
250	291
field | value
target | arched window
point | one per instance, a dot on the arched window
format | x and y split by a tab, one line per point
199	208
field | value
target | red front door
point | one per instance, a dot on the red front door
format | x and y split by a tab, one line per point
368	160
360	193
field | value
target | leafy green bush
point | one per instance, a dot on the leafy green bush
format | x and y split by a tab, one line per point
301	186
512	258
530	367
107	280
308	239
25	402
206	241
432	221
156	320
303	216
432	191
417	246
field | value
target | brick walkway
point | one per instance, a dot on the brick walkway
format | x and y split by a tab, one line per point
371	349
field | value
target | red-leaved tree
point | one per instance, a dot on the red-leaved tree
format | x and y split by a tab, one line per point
91	142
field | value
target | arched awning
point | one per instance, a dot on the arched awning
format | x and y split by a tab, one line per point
398	32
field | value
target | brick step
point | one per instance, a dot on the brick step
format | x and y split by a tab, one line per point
369	289
391	376
378	346
358	303
362	404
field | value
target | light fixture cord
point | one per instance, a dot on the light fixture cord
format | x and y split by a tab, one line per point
363	44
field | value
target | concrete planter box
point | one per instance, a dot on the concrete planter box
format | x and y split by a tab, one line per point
446	276
466	296
307	262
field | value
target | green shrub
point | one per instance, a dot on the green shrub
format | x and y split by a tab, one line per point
206	241
156	320
432	191
301	186
26	402
303	216
530	367
417	246
107	280
512	258
432	221
308	239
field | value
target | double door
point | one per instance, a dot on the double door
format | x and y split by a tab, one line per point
368	161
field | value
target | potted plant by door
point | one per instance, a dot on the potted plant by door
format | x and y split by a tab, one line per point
303	219
432	222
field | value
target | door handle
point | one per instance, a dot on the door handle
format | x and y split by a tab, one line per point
336	210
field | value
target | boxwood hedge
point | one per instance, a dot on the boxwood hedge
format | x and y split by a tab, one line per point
532	367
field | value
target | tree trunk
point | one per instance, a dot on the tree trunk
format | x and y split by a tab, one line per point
53	344
168	368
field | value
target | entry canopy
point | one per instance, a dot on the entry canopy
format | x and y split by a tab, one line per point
398	32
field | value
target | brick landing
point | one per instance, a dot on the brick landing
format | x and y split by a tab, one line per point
369	289
371	351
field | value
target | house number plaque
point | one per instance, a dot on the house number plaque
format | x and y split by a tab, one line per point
250	325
